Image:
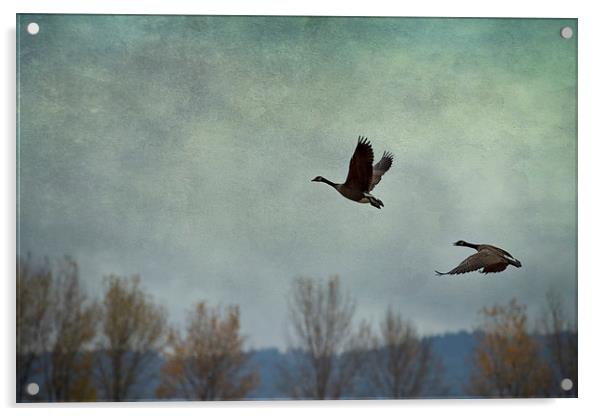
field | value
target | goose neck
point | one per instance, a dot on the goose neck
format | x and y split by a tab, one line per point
334	185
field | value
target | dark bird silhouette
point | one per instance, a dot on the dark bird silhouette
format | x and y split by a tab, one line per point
362	176
489	259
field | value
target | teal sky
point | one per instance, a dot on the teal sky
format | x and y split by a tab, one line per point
182	149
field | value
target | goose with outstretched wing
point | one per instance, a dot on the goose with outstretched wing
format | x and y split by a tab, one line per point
487	259
362	176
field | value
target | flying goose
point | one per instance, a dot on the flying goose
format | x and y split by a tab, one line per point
489	259
362	176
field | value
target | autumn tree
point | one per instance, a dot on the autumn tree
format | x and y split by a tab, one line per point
208	363
402	364
68	372
55	326
507	359
561	340
133	330
328	351
34	299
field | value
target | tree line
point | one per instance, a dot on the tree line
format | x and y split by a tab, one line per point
81	349
78	348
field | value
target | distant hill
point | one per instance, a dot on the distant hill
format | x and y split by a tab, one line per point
454	351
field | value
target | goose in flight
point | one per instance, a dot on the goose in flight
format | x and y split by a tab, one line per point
362	176
488	258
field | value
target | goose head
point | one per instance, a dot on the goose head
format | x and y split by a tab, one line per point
461	243
322	179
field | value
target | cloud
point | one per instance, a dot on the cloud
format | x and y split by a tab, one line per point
182	148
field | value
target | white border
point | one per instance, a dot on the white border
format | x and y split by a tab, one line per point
590	207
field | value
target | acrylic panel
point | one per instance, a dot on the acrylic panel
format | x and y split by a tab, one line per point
273	207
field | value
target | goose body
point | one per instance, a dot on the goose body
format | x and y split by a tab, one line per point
487	259
362	176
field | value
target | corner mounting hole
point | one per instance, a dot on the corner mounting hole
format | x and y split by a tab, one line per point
33	389
566	33
566	384
33	28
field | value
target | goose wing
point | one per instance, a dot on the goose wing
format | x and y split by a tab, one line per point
499	250
484	259
495	268
380	168
360	167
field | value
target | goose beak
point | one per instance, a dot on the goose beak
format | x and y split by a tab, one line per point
518	264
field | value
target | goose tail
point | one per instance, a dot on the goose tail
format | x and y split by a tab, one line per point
375	202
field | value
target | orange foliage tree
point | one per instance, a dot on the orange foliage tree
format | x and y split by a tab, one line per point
507	359
55	327
133	330
209	362
75	319
34	300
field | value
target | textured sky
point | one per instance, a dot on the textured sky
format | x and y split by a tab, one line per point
182	149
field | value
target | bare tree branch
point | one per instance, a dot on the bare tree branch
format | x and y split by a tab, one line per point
402	364
561	340
322	336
